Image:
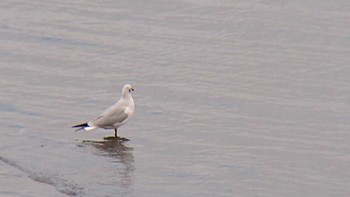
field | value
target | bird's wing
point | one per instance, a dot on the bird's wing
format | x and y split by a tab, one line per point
111	116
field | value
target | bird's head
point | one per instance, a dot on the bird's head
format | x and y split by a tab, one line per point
127	89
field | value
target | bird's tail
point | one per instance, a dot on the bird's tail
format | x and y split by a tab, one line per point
82	126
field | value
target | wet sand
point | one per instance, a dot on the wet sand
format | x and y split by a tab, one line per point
232	98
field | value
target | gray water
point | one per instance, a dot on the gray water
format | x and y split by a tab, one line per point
233	98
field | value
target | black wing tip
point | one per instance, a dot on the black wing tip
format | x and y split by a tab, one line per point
81	125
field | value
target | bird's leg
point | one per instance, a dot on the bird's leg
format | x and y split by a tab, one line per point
115	133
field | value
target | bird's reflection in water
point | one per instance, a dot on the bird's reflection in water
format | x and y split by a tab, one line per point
116	149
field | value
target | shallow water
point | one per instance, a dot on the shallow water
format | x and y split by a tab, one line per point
233	98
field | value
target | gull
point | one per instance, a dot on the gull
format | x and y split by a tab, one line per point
114	116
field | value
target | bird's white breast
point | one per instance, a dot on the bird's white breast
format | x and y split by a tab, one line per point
129	111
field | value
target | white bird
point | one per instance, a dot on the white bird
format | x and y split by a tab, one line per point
114	116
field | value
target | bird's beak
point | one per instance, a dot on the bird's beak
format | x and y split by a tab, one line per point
132	89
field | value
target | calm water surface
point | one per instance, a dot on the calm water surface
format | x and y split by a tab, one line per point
233	98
